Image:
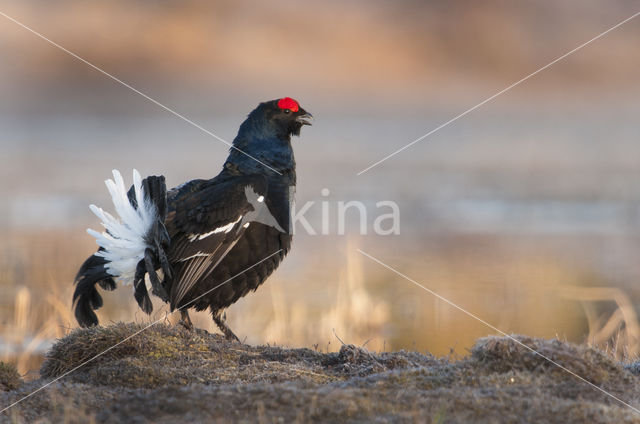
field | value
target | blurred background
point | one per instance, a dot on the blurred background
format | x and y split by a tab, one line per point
526	212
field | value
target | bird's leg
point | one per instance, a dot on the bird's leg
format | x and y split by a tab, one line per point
222	325
185	320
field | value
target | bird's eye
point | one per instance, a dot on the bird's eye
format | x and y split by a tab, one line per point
287	111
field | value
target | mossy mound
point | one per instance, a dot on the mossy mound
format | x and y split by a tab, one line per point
522	353
106	344
168	374
133	356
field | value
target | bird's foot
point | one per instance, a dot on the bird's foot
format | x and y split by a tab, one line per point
222	325
185	320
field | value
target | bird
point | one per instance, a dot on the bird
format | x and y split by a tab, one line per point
205	243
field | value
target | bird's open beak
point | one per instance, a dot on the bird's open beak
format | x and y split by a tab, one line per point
306	119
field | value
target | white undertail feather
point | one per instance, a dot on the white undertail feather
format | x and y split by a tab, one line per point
124	239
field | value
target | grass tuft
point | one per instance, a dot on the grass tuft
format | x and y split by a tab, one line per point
9	377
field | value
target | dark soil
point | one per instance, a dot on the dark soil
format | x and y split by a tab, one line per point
168	374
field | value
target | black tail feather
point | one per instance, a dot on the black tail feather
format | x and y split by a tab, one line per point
140	289
158	239
155	189
86	297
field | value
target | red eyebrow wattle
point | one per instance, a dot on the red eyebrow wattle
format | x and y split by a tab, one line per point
288	103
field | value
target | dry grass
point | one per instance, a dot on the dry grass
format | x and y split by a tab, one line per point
354	314
35	272
619	333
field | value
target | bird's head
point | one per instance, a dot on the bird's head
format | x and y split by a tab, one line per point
266	136
283	116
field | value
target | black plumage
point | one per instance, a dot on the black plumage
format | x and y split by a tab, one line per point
214	240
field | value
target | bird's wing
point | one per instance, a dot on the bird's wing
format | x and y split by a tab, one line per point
205	221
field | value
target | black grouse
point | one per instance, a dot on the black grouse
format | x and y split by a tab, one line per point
205	243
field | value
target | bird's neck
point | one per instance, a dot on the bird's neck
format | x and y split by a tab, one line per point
278	166
260	150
